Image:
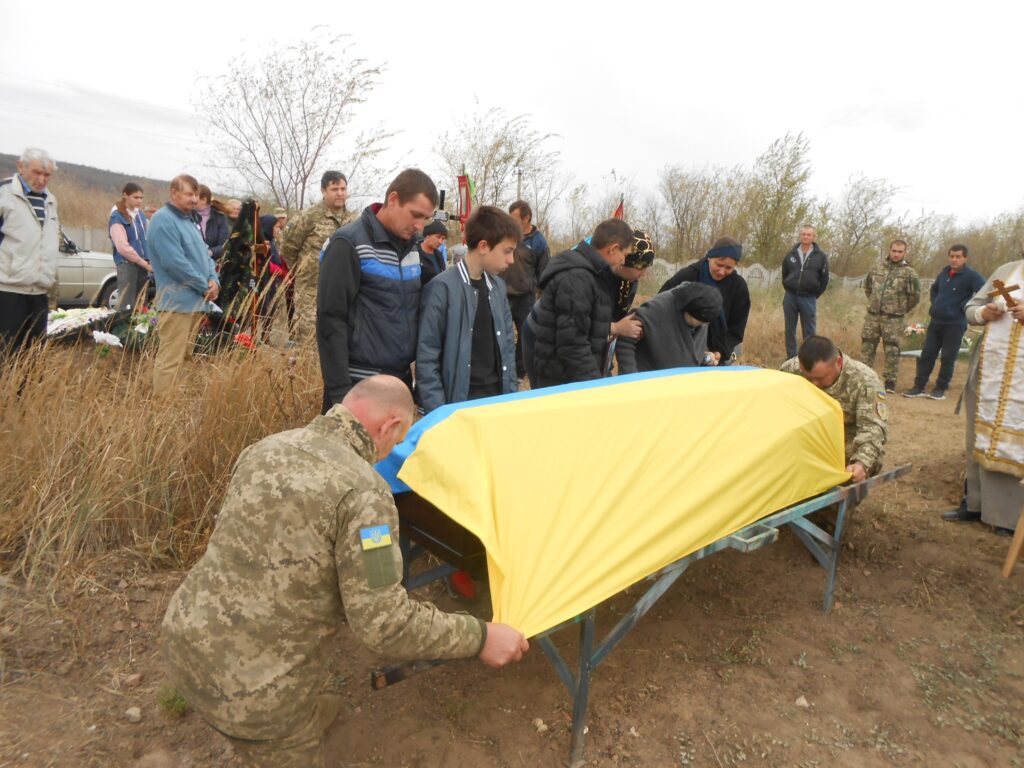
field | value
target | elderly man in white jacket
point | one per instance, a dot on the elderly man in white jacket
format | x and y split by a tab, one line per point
29	249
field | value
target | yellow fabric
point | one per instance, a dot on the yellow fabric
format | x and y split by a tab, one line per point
579	494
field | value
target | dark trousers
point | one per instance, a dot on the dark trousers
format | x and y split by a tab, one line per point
529	338
22	321
941	338
796	305
520	306
131	282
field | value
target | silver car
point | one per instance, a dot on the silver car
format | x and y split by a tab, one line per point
87	278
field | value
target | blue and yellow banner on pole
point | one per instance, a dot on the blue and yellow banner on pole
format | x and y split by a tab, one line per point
579	491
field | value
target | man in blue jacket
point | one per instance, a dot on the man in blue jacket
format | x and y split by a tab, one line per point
368	294
185	278
952	289
523	277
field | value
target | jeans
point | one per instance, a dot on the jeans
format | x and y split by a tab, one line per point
805	307
520	307
944	338
528	339
131	282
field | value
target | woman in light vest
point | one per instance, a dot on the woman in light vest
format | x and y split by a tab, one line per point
128	235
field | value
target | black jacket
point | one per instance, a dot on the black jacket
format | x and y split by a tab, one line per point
622	292
723	336
950	294
431	264
367	305
811	279
217	231
531	259
572	319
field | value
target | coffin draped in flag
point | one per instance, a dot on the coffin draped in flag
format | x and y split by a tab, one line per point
579	491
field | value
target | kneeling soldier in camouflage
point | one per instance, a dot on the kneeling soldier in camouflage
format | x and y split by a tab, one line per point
858	391
308	530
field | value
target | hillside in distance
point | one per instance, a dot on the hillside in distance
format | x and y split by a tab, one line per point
86	177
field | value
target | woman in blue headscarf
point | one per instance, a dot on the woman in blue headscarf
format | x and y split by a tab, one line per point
718	268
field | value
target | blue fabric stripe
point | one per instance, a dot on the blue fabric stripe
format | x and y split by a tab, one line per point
389	467
39	206
390	271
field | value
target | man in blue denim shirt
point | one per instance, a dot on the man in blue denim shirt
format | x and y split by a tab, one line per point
185	278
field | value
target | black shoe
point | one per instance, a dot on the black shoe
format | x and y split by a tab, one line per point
937	394
961	515
914	392
890	386
1000	531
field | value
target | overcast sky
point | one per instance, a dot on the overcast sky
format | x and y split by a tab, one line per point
927	95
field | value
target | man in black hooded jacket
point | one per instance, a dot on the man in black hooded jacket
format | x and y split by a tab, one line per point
805	278
571	322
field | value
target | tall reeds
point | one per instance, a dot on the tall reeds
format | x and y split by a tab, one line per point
91	463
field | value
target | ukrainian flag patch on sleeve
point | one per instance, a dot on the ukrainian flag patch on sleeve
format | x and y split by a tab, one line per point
375	537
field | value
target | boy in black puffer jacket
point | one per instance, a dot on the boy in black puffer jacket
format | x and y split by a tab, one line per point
569	326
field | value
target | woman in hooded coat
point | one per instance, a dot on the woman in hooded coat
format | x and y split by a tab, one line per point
675	330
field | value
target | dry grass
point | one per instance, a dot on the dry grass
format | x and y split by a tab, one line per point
93	464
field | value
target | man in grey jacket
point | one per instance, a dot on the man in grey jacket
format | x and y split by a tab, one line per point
29	251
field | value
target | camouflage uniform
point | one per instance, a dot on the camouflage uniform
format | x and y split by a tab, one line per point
303	241
893	290
865	413
307	530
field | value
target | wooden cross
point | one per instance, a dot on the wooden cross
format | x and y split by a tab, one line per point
1003	290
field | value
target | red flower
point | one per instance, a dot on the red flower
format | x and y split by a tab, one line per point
244	340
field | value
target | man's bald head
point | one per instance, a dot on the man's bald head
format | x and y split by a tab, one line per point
383	405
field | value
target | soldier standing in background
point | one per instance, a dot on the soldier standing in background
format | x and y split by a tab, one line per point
308	532
893	289
858	391
303	241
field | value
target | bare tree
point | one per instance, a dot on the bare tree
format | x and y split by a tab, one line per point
581	215
543	191
494	149
276	120
855	223
703	205
778	200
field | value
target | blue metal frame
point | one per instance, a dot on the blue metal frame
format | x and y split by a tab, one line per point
410	552
824	546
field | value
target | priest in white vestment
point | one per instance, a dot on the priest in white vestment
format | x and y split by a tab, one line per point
995	405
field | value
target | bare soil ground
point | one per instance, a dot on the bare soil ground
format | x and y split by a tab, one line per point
920	663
